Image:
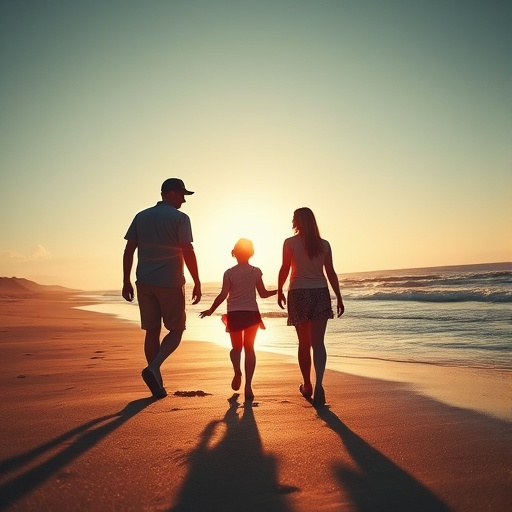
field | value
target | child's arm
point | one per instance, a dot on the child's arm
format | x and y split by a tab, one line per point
218	300
262	291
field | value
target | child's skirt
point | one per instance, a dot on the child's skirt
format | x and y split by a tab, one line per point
239	320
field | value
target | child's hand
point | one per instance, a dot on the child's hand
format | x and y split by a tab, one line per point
205	313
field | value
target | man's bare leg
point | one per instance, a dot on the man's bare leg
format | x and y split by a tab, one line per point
152	344
169	344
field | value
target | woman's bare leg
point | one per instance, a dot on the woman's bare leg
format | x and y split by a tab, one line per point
317	331
304	356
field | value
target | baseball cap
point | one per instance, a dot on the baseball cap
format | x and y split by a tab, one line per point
175	184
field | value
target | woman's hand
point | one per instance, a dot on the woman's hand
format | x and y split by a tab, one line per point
281	299
208	312
340	307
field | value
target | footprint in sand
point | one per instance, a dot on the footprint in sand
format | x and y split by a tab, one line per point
191	393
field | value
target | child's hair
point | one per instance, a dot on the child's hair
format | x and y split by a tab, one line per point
243	249
304	224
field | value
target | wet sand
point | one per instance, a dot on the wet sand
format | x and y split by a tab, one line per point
79	430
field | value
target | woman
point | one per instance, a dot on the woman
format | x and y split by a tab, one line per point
309	301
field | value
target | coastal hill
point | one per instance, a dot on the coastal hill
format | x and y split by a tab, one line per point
20	286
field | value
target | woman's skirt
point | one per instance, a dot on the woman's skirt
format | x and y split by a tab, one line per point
306	304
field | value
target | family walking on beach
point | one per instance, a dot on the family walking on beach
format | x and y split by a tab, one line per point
162	236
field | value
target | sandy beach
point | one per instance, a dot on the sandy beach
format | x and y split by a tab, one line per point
79	430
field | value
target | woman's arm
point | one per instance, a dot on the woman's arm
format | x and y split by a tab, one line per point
333	280
283	274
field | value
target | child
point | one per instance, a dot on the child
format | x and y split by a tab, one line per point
243	318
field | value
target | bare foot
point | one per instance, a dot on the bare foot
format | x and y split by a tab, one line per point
319	396
153	383
306	391
249	395
157	374
236	382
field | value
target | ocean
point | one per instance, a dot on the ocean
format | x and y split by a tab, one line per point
448	317
457	316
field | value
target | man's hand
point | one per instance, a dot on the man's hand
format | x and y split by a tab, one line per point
128	293
129	250
196	294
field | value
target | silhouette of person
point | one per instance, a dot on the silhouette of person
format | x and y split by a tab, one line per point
307	255
243	318
162	236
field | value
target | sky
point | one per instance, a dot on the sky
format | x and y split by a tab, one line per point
390	119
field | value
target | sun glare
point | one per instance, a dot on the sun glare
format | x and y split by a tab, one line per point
214	245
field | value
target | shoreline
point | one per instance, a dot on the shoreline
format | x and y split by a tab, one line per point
80	430
482	389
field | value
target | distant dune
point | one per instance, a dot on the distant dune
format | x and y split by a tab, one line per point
21	286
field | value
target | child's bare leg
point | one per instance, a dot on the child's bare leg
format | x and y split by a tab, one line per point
250	359
235	355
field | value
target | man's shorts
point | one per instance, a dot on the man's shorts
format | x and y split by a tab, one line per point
157	303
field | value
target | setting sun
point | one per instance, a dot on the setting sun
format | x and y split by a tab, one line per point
380	382
236	220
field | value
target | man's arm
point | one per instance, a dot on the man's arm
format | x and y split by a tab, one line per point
189	257
129	250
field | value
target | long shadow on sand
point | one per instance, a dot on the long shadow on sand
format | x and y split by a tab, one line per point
85	437
378	484
228	470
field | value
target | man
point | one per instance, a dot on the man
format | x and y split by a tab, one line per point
162	236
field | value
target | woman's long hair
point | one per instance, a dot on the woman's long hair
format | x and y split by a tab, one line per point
304	224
